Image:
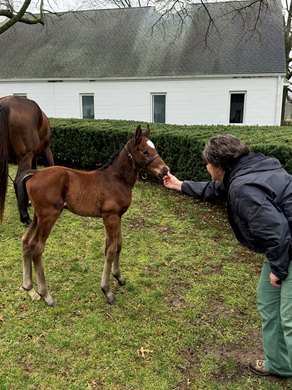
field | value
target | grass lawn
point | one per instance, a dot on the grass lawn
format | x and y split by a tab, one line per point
186	318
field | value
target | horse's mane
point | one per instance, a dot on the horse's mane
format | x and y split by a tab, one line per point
100	167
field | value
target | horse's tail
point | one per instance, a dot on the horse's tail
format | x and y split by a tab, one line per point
4	120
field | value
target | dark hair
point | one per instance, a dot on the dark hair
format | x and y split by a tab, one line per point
224	151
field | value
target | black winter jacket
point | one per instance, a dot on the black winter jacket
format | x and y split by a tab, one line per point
258	193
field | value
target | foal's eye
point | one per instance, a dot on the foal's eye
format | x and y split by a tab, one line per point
146	153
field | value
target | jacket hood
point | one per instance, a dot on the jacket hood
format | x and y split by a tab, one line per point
253	162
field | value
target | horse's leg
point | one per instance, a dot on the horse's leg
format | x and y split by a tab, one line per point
49	156
37	245
34	163
27	266
112	225
116	271
24	164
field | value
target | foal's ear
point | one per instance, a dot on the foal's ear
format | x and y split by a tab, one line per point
138	135
147	131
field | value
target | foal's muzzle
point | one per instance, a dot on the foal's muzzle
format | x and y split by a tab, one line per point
163	172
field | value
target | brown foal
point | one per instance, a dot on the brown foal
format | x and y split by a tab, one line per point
105	193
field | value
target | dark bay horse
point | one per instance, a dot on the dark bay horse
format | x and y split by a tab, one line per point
24	134
105	193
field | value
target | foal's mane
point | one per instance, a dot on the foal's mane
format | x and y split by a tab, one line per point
111	159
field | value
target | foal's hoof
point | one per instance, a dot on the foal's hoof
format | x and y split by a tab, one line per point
120	280
111	300
34	296
109	296
50	301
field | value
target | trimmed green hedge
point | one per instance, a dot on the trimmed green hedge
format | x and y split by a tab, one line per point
85	144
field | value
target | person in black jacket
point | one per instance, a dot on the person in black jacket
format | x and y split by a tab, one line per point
258	192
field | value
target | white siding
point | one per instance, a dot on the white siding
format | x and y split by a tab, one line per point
188	101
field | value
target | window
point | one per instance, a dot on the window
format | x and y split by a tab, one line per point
158	108
87	102
236	107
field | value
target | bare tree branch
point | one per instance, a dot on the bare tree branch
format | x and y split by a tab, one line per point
19	16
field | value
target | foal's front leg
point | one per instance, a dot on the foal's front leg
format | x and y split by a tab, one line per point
113	244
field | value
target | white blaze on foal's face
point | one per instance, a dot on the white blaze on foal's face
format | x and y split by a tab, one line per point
151	144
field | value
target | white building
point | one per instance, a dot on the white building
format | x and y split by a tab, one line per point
123	64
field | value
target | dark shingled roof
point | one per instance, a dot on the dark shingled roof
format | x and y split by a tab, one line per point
122	43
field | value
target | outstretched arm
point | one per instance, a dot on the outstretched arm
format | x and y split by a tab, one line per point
172	182
211	190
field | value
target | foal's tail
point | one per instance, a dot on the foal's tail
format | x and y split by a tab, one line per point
23	177
4	120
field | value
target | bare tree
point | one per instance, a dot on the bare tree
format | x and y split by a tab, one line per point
14	15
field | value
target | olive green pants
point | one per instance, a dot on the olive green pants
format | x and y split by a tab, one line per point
275	307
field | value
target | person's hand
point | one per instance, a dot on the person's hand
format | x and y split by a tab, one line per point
275	281
170	181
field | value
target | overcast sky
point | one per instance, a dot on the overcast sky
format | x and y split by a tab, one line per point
66	5
57	5
69	5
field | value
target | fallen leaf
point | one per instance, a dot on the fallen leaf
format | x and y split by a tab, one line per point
142	352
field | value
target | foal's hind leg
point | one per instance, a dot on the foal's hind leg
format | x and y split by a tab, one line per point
27	266
112	225
116	271
37	244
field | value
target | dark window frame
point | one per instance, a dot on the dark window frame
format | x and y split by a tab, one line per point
237	107
20	94
158	113
91	113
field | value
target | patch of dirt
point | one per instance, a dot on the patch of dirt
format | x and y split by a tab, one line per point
137	224
246	256
174	298
239	355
